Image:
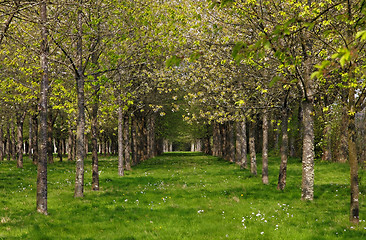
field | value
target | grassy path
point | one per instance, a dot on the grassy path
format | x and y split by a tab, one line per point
178	196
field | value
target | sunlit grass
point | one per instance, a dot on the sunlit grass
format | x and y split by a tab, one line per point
178	196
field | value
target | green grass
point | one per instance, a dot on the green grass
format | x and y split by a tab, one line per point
178	196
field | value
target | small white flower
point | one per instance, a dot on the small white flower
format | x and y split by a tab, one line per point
262	233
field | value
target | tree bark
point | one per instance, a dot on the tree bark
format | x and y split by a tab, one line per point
238	143
42	164
134	140
284	150
353	162
253	159
14	145
1	143
30	134
231	142
243	133
80	129
70	144
120	140
20	122
94	140
265	148
354	206
126	137
8	142
308	152
35	153
59	148
342	155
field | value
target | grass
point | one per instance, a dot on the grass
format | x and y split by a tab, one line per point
178	196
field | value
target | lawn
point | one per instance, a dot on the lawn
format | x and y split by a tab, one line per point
179	196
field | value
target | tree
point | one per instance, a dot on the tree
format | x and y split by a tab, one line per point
42	163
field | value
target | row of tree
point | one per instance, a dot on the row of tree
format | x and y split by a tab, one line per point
112	71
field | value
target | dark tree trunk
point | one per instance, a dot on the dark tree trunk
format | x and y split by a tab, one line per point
354	206
126	137
327	152
284	151
30	133
220	140
8	142
243	150
80	129
20	122
59	149
253	159
238	143
1	143
14	145
35	153
215	141
51	121
70	144
42	164
265	148
231	142
134	141
94	140
342	154
120	140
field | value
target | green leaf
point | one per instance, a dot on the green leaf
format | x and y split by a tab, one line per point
274	81
315	74
361	34
173	61
236	49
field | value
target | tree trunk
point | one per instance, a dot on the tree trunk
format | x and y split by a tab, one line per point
352	152
20	122
35	153
231	141
284	151
134	141
265	148
50	136
354	206
9	144
42	164
342	154
59	148
253	159
243	134
80	129
326	147
126	137
70	145
30	133
1	143
120	140
94	140
238	143
308	152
